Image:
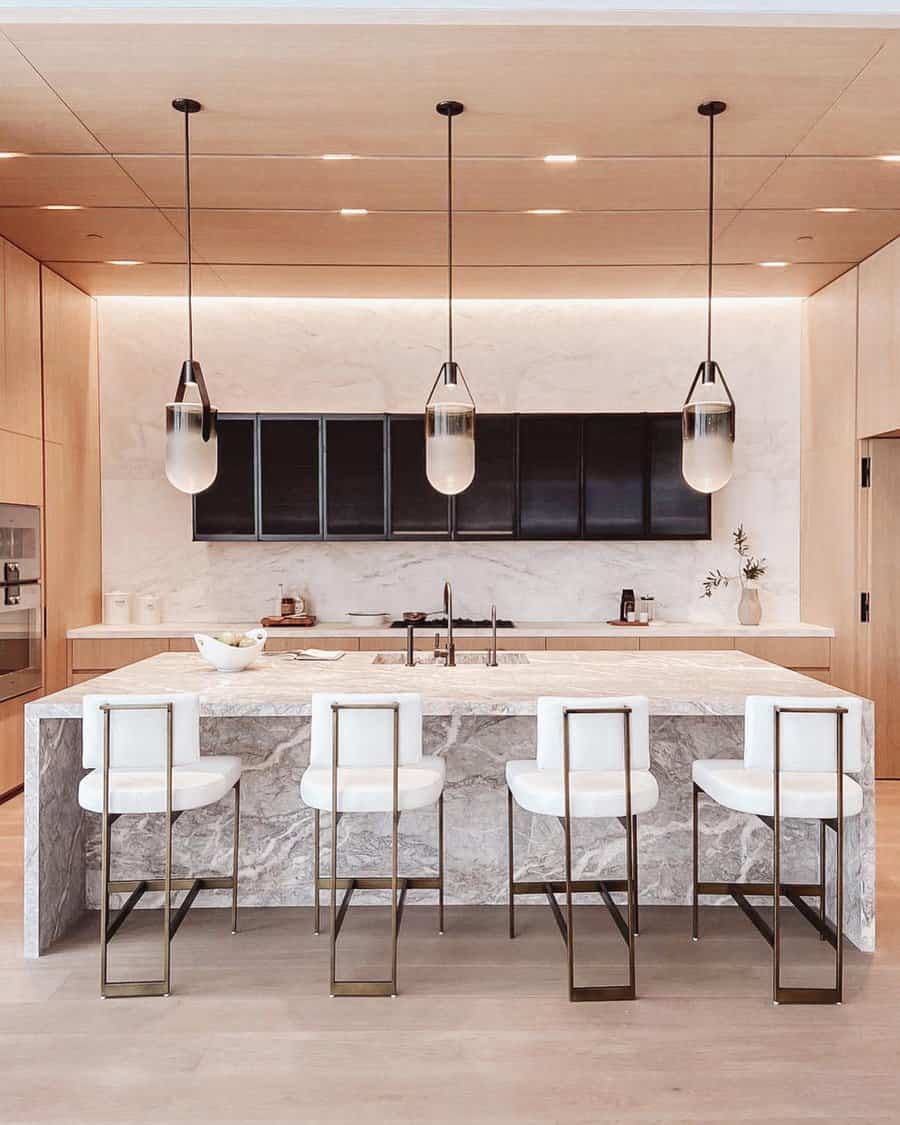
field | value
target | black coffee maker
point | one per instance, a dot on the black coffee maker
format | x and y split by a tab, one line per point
626	604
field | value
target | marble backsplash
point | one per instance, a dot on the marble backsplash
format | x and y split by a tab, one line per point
367	356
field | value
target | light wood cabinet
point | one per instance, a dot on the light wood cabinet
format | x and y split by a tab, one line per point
12	727
685	644
592	644
72	565
878	401
799	653
20	356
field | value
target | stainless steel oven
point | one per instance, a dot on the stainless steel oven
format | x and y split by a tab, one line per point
21	608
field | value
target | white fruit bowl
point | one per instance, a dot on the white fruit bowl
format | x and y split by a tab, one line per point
230	658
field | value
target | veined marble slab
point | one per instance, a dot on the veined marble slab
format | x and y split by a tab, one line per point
478	719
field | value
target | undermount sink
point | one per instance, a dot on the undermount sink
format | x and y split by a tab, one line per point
461	658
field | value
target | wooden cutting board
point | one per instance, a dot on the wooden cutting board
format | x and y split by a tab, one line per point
297	620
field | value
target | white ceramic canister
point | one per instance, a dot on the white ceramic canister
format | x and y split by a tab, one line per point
117	608
148	609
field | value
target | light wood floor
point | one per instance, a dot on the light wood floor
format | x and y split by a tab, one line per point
481	1032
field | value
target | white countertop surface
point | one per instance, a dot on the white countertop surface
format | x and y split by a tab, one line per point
523	628
677	683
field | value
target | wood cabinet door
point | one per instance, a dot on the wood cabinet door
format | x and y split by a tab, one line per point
878	403
883	629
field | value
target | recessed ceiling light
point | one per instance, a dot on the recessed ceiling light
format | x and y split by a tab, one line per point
889	157
353	211
124	262
774	265
61	207
836	210
338	156
560	158
10	155
547	211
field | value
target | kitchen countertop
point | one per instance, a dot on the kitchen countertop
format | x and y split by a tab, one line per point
677	683
523	628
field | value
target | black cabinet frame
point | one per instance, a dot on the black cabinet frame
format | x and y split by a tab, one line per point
453	534
288	538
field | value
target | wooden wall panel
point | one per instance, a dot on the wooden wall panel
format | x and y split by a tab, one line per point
829	476
20	356
21	469
72	568
879	342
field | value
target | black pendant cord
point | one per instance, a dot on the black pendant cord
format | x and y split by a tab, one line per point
709	237
187	224
450	237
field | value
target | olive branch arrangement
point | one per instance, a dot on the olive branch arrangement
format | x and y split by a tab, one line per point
751	568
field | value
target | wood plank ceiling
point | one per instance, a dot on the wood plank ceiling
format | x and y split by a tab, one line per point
88	108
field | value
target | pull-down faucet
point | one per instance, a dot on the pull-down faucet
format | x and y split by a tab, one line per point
449	653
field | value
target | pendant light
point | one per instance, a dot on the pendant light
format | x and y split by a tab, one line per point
707	417
191	442
450	409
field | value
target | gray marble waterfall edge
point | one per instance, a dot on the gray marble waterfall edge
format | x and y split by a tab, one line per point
62	844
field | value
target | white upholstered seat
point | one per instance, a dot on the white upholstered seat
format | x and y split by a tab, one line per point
596	758
597	793
366	755
811	795
137	756
808	760
144	791
360	789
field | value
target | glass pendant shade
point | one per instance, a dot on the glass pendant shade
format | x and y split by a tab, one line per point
450	433
707	459
191	462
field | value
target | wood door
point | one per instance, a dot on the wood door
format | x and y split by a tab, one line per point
883	647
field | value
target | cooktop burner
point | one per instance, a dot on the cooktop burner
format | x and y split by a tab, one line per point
458	623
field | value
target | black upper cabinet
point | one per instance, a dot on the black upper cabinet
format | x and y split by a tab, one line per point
227	509
354	477
487	508
289	477
676	511
615	453
550	476
417	510
537	476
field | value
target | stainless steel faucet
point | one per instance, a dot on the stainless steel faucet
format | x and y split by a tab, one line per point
448	654
491	655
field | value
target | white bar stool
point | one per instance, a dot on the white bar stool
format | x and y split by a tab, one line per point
366	757
797	752
143	752
593	760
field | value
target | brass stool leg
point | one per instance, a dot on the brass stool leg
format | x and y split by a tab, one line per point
316	872
634	852
695	895
105	827
510	861
822	903
234	861
441	863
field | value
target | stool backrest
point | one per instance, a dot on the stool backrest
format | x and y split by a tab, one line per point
137	737
808	742
596	742
365	736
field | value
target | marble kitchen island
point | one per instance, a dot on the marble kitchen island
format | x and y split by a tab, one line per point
477	718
